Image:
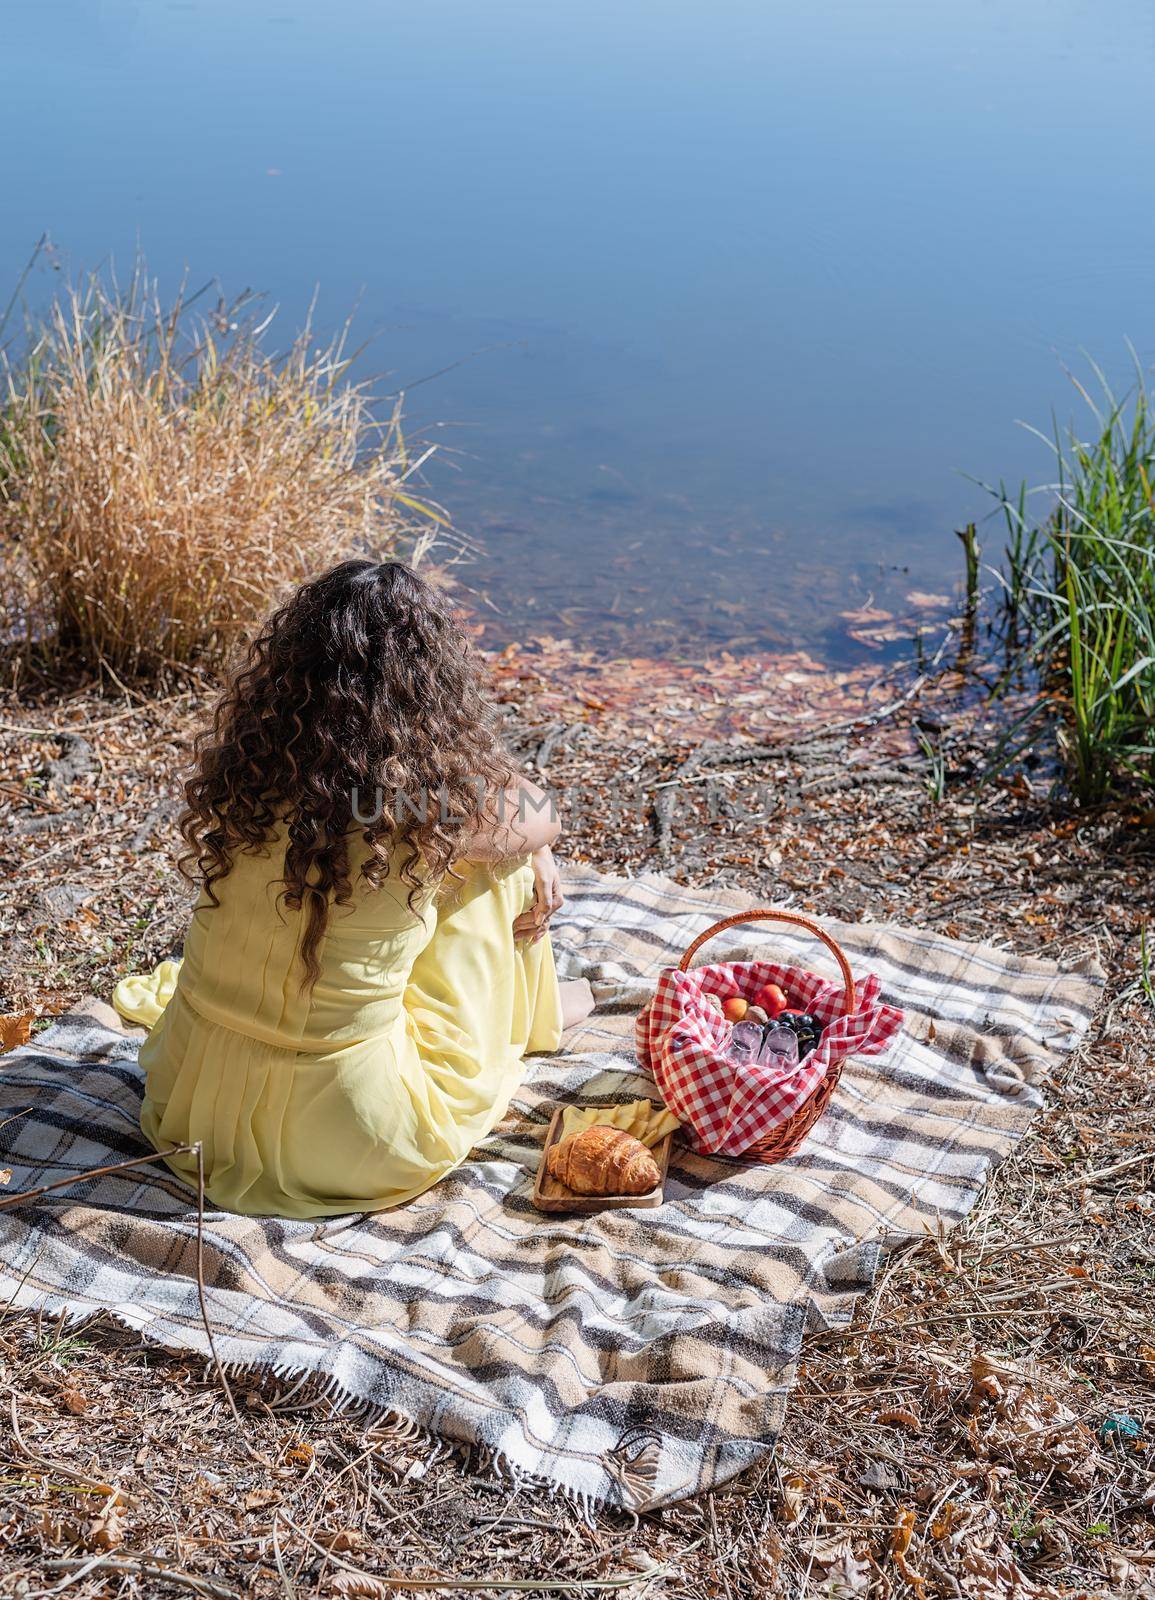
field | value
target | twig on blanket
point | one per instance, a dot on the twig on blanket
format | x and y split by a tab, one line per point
383	1583
197	1150
23	1196
83	1565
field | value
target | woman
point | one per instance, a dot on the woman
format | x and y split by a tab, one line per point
368	961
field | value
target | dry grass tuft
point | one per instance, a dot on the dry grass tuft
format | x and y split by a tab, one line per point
164	479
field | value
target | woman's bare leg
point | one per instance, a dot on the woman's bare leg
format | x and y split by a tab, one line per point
577	1001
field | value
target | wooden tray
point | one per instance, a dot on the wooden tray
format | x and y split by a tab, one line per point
550	1195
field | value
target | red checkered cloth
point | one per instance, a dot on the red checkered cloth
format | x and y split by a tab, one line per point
727	1106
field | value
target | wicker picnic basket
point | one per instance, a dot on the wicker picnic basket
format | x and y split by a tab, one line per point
748	1108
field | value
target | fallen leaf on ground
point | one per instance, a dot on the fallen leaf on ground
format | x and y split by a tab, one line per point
1132	1579
899	1417
342	1539
900	1544
257	1498
793	1500
843	1573
877	1475
1032	1430
15	1029
107	1530
362	1583
988	1576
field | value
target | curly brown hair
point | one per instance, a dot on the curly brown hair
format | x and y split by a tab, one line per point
362	680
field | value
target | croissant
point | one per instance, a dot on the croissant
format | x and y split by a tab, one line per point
602	1160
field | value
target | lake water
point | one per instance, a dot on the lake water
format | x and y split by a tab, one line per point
730	295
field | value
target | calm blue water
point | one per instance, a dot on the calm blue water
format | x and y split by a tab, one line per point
735	291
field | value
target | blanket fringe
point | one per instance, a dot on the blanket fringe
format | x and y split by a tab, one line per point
393	1424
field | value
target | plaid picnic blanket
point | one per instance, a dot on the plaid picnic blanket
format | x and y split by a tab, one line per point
634	1357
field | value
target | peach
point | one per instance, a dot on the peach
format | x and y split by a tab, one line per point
772	999
735	1008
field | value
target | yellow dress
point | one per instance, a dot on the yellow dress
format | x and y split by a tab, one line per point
358	1094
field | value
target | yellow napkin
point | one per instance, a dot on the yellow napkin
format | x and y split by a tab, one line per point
642	1118
143	996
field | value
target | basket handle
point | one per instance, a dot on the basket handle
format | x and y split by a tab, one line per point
799	921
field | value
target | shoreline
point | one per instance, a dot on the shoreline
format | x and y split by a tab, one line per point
851	792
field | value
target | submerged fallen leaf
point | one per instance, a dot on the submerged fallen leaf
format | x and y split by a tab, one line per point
881	633
867	614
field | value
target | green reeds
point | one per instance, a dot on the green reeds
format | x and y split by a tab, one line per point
1079	594
936	766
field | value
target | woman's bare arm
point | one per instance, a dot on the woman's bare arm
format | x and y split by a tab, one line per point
523	819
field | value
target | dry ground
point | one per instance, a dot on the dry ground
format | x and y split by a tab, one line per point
984	1429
